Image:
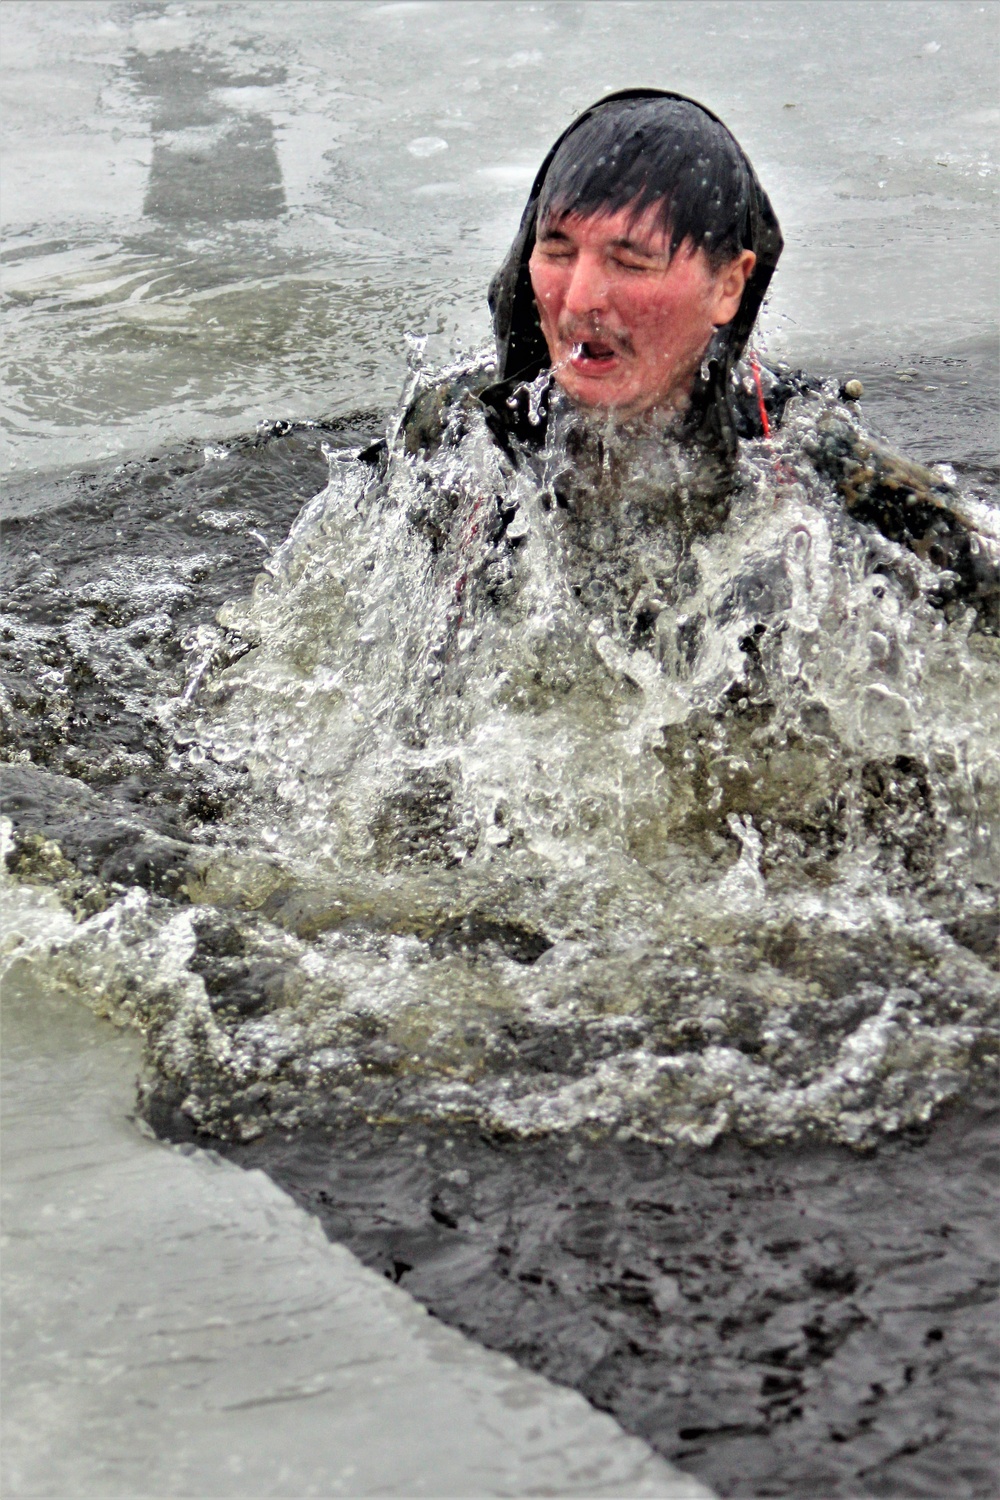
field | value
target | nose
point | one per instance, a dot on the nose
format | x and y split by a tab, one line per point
587	291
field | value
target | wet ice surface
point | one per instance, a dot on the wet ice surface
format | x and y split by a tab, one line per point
176	1327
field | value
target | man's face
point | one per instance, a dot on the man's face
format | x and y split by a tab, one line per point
626	325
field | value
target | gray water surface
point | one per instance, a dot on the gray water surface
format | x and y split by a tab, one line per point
219	213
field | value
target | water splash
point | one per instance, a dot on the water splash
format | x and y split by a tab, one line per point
580	796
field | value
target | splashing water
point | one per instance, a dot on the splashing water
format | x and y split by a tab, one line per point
577	798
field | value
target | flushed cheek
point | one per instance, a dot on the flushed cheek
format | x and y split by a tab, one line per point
548	290
673	332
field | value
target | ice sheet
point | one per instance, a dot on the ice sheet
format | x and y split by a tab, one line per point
176	1326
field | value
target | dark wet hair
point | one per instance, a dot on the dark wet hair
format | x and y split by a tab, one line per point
662	153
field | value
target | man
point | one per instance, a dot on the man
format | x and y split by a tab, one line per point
628	296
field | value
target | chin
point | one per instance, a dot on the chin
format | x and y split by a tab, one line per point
617	404
594	393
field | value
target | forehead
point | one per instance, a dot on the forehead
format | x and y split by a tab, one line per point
644	231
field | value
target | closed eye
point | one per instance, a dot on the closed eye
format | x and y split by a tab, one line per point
629	263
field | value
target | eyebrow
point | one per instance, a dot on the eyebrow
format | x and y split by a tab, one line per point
635	246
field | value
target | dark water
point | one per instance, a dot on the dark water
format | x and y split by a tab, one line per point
108	574
810	1323
782	1321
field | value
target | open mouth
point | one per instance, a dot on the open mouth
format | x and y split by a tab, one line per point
593	356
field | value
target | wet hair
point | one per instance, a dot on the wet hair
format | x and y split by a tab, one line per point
660	152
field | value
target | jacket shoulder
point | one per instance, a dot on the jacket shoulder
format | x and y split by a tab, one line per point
434	408
765	389
913	506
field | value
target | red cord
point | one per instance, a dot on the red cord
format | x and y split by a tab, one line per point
755	367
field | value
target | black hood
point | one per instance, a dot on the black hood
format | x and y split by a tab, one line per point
521	349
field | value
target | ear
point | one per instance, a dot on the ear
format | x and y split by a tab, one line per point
730	281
